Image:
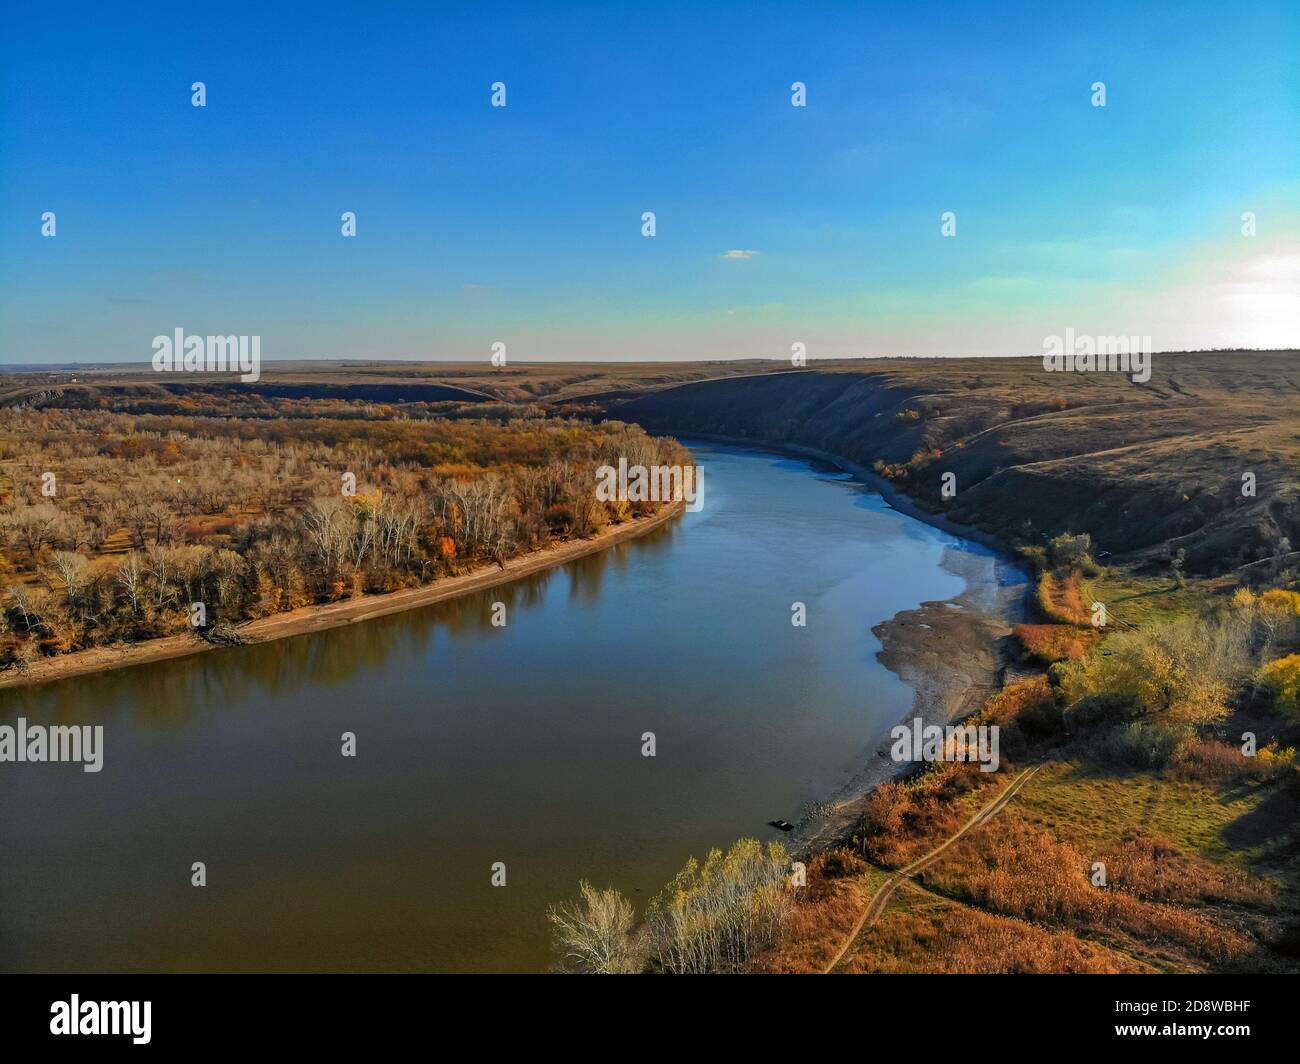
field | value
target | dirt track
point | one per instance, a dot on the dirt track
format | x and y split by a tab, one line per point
881	898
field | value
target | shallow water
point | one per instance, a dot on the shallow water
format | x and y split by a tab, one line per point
475	744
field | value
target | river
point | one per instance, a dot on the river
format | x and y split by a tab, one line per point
475	744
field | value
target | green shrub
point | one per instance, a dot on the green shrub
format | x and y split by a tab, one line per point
1140	744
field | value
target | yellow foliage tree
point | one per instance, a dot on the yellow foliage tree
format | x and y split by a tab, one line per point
1282	677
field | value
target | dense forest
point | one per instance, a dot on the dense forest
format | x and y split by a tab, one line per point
115	524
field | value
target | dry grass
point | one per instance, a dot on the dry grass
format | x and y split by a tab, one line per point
1061	600
824	912
1087	870
1048	643
1015	869
922	933
1213	761
1025	710
906	819
1152	868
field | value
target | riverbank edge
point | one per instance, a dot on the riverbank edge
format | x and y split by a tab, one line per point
323	617
831	822
886	489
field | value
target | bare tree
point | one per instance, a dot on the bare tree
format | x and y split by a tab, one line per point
32	527
130	578
71	569
594	934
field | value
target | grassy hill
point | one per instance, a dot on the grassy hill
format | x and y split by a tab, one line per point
1144	468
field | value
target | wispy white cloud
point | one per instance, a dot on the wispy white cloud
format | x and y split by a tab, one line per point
739	255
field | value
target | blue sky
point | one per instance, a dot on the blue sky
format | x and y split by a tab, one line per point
523	223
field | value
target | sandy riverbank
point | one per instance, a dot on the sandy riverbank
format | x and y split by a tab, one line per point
334	614
952	653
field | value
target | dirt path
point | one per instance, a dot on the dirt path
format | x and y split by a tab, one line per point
334	614
877	904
